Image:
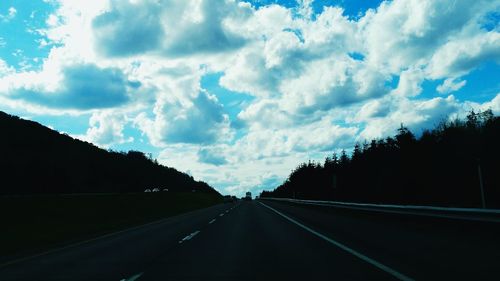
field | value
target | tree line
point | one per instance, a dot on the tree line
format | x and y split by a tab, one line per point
445	166
36	159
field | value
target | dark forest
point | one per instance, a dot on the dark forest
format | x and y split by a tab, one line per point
36	159
445	166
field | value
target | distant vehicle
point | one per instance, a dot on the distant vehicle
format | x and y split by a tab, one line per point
147	190
156	190
165	189
248	196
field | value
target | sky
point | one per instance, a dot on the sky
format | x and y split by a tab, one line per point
238	93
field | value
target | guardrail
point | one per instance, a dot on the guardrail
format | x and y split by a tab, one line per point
475	214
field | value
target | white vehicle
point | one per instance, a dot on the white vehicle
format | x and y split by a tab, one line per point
147	190
156	190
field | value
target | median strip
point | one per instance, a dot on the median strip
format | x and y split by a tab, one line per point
371	261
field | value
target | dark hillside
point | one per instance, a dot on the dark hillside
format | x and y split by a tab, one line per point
36	159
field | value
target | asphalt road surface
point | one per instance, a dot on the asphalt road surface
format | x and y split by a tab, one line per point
266	240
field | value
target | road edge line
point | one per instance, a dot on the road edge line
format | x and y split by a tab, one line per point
371	261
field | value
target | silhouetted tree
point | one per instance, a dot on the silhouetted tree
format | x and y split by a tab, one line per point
36	159
439	168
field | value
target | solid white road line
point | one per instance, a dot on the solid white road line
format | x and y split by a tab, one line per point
189	237
373	262
133	278
212	221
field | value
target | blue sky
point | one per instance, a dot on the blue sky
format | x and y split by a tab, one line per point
237	93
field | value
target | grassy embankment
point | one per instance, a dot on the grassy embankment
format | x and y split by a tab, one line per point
33	224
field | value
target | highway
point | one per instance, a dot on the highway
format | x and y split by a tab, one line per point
268	240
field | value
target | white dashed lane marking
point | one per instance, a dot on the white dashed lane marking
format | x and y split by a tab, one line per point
133	278
189	237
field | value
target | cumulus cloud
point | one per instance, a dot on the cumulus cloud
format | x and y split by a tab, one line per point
459	57
5	68
373	109
166	27
128	28
331	83
106	129
266	114
401	33
415	114
494	105
200	120
450	85
211	156
319	81
81	87
410	82
323	135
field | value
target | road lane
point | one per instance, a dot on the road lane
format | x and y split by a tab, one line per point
342	246
253	243
420	247
247	241
113	257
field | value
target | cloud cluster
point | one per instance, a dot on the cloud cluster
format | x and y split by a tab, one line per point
11	14
106	129
168	27
195	121
80	87
320	81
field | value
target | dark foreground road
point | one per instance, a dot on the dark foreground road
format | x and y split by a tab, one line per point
278	241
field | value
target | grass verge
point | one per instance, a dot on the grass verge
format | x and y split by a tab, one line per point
32	224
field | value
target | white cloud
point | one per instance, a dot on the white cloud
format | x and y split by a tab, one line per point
330	83
80	86
236	176
172	28
373	109
494	105
212	155
199	120
462	55
410	82
402	33
450	85
319	82
11	14
106	129
415	114
5	69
